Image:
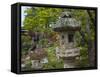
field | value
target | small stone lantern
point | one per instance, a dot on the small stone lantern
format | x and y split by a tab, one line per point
66	26
38	58
36	53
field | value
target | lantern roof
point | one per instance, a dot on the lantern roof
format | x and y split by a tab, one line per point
38	54
66	22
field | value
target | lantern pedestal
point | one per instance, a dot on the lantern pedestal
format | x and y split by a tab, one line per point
69	63
69	56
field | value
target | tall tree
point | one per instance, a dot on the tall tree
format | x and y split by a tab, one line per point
91	42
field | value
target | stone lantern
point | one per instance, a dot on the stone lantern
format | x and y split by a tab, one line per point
38	58
36	53
66	26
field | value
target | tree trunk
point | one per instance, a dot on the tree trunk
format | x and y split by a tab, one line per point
91	43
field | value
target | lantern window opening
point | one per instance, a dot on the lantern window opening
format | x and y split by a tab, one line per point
62	36
70	37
